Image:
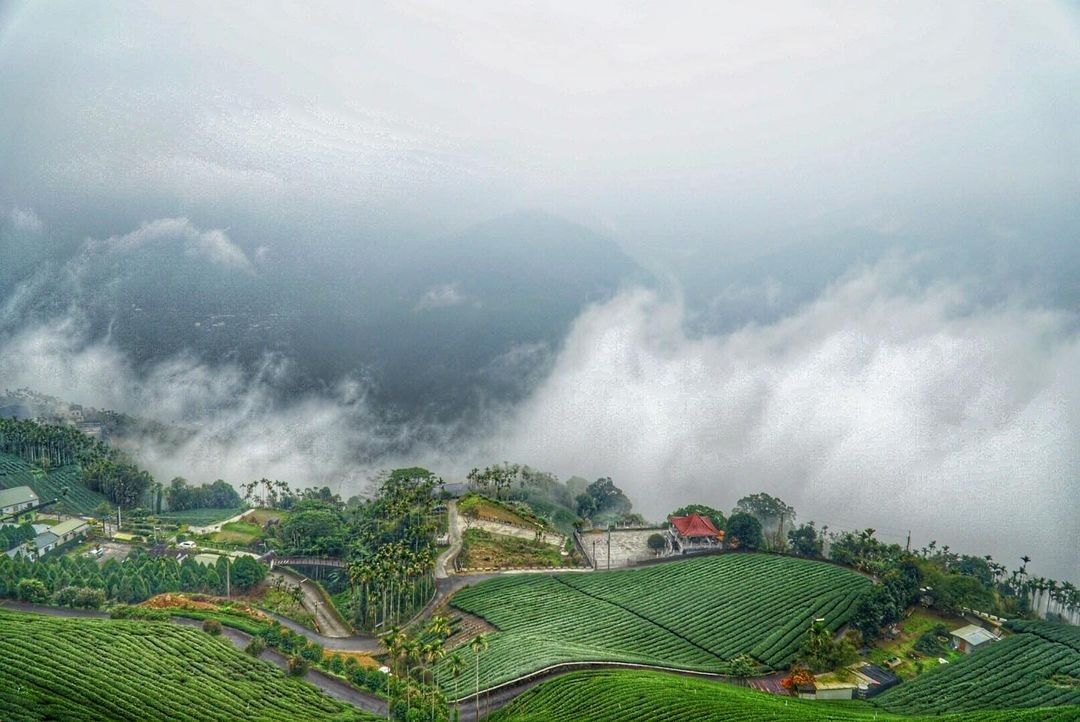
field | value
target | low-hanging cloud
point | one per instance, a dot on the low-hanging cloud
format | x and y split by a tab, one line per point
879	403
876	405
212	245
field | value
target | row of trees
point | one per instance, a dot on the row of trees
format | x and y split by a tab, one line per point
140	577
180	495
414	693
391	551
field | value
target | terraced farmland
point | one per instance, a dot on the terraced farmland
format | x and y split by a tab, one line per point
641	696
695	614
1038	667
80	500
81	669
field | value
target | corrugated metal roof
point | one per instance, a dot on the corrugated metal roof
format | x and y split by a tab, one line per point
17	495
973	634
67	526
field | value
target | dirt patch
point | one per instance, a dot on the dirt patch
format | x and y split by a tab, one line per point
202	603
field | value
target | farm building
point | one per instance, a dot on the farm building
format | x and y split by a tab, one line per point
694	532
69	529
42	544
968	639
16	499
873	680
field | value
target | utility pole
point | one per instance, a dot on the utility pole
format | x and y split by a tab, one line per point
609	547
907	547
228	576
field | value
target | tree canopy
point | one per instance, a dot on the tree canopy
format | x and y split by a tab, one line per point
743	532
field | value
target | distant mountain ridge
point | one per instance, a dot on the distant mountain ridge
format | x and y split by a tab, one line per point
431	325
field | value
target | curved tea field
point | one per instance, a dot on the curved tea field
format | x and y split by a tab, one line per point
640	696
1037	667
88	669
695	614
16	472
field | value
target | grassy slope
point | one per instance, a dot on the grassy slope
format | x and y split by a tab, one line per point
694	614
484	550
82	669
920	621
1015	672
16	472
481	507
640	696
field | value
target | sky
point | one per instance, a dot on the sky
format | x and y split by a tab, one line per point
862	219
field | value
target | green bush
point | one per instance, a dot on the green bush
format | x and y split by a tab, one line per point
298	666
256	646
211	626
312	652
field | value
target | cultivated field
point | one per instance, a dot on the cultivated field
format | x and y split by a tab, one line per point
1038	667
696	614
640	696
199	517
79	669
80	500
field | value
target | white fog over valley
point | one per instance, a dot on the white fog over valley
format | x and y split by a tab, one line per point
830	251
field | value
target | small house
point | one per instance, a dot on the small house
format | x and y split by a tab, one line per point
17	499
40	545
968	639
694	532
69	529
829	686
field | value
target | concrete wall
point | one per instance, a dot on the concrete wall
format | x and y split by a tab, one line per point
627	546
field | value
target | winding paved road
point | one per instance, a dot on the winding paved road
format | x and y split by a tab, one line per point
316	603
453	528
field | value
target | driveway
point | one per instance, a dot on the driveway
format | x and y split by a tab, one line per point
446	559
317	604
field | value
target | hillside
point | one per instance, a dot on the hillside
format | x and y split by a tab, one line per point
1037	667
81	669
696	614
639	696
79	500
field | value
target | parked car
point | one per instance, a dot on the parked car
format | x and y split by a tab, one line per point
187	545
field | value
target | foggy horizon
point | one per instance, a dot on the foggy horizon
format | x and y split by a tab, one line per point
822	250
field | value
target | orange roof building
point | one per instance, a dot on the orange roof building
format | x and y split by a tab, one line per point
695	526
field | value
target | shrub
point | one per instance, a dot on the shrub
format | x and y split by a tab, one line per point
211	626
256	646
32	590
298	666
336	664
88	598
312	652
933	642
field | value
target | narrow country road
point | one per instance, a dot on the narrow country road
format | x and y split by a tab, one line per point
317	604
454	530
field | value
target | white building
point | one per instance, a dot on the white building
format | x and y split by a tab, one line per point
968	639
16	499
